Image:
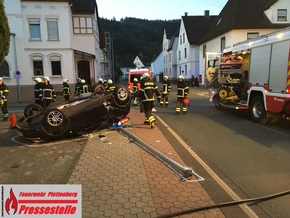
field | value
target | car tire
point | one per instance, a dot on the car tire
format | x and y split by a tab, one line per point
121	96
32	109
99	89
55	125
257	110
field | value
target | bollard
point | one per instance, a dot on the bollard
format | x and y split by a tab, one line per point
12	120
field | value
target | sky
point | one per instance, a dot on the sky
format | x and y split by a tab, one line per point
157	9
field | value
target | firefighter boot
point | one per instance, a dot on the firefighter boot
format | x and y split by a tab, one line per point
152	121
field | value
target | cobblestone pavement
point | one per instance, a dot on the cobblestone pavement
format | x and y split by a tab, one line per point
121	179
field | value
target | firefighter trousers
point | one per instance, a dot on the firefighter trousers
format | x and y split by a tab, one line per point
147	107
180	103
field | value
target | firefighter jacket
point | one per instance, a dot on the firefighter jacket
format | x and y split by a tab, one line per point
4	92
84	88
78	88
47	92
65	89
147	90
135	87
110	88
182	89
37	88
166	87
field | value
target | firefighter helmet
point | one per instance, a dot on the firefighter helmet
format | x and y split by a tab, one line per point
135	80
181	77
37	79
101	80
46	78
110	81
145	75
65	80
83	81
165	77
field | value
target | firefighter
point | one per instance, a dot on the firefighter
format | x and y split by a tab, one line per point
105	82
146	94
101	81
78	87
110	87
182	92
165	90
135	92
3	99
65	90
85	88
47	94
37	86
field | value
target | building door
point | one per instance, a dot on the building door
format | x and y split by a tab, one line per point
84	71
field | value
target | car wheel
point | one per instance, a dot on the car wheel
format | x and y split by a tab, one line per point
55	124
121	95
32	109
257	110
98	89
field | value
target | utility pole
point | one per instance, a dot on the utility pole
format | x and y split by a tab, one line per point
17	73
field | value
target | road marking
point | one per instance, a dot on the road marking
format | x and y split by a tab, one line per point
221	183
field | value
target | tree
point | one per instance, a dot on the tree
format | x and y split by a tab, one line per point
4	33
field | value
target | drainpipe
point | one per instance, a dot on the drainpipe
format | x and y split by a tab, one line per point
17	73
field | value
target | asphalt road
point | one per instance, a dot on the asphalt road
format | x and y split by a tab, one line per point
252	159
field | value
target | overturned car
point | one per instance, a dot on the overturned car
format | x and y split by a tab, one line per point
81	114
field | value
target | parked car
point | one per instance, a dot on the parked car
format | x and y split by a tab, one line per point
81	114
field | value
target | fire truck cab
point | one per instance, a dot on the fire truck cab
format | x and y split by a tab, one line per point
255	75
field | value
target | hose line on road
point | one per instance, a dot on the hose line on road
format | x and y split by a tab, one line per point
227	204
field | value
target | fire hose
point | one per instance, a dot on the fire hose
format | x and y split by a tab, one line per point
226	204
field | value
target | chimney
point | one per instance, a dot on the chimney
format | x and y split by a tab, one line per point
185	14
206	13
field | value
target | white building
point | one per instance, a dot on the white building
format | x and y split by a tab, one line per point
198	35
54	38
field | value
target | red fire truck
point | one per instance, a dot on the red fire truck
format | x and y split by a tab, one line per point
255	75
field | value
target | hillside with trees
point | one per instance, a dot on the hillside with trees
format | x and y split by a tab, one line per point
132	37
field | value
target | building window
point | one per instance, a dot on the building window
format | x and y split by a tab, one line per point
180	39
55	66
179	55
179	70
185	69
34	28
185	54
252	36
183	37
4	69
37	65
52	29
223	43
83	25
282	15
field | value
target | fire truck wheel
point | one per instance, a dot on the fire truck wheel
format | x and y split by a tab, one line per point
223	93
257	110
286	108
